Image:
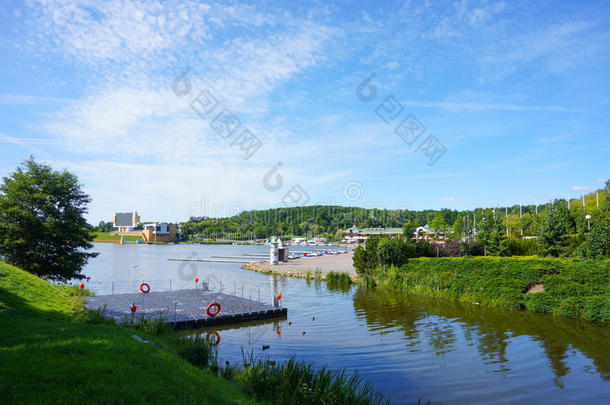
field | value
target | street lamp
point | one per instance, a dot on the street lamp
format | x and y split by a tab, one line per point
588	217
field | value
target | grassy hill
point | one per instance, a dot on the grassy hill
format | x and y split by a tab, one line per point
51	353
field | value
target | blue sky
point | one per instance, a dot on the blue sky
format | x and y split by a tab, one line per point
517	95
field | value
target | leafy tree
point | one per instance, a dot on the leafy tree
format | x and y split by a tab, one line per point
458	228
551	237
597	244
394	251
495	244
438	223
408	229
42	228
366	259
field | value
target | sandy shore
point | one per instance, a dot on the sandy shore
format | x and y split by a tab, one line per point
341	263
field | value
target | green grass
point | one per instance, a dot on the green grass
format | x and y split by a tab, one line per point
108	237
578	288
51	351
338	278
297	382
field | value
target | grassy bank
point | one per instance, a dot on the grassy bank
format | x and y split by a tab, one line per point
53	352
577	288
108	237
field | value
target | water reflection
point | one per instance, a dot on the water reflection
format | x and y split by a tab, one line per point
442	323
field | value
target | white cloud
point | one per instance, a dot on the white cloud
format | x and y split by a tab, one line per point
581	188
446	199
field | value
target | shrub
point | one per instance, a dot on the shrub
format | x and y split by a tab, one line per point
194	349
471	249
521	247
450	249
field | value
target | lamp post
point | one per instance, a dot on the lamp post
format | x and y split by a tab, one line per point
588	221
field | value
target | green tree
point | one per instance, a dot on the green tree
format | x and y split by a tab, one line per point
438	223
551	240
42	228
366	259
394	251
597	244
458	228
495	242
408	229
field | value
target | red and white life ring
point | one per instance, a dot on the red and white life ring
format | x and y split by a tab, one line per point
215	312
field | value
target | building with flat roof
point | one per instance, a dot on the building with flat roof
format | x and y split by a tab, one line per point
160	232
125	221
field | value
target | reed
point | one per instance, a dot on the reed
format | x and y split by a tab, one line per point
298	382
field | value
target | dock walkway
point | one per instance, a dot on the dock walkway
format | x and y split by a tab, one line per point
184	308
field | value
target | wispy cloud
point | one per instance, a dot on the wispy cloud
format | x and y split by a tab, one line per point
26	141
472	106
581	188
23	99
447	199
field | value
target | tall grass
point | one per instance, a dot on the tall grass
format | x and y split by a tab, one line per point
297	382
338	278
194	349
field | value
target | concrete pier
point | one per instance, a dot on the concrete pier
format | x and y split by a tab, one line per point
184	308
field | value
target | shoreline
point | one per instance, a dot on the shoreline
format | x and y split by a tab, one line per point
304	267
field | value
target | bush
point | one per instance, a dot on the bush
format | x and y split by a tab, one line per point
450	249
366	259
472	249
194	349
521	247
395	251
424	249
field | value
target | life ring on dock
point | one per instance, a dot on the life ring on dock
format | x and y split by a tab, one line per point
209	310
213	341
145	288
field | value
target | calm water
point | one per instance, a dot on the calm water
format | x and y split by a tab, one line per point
408	347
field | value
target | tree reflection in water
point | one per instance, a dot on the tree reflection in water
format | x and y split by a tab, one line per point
443	323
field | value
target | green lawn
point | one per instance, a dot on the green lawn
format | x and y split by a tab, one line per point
50	353
108	237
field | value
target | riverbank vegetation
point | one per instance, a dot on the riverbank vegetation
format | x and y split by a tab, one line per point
297	382
52	350
570	287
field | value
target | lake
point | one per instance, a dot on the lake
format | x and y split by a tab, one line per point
407	347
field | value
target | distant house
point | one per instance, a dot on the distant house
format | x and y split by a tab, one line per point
391	232
160	232
125	221
424	232
357	235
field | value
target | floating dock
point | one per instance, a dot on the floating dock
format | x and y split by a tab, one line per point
215	260
184	309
